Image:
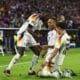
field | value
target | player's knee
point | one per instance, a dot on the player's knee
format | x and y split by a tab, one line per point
21	50
35	50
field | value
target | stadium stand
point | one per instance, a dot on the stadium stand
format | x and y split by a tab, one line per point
14	12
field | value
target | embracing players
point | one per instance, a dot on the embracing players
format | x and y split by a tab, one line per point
58	39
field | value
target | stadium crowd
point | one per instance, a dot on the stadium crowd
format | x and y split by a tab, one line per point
14	12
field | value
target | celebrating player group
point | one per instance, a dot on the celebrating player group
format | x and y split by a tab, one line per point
58	41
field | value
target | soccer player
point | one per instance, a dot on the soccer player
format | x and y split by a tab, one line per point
25	38
60	47
52	36
51	41
58	50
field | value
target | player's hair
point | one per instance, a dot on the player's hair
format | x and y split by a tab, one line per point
61	22
61	25
54	18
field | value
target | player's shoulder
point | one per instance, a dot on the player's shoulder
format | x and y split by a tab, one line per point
25	24
66	35
52	32
65	38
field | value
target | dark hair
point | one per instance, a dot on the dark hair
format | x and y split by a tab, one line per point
54	18
61	25
30	26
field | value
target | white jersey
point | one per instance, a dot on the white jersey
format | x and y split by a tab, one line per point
32	20
26	40
62	41
57	42
24	37
23	28
52	36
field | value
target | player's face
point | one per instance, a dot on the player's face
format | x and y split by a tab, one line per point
51	24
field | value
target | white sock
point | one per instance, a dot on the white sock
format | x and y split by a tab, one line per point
34	62
13	61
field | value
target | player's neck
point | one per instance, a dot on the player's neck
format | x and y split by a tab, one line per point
59	31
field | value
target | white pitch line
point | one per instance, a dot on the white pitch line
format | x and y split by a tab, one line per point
16	64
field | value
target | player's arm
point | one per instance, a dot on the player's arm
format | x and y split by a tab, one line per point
47	46
21	31
36	49
53	54
57	46
23	28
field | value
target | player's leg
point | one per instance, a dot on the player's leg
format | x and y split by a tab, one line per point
36	50
18	55
21	44
58	62
45	66
47	70
43	53
32	67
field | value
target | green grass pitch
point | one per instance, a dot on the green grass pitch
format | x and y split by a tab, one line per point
20	70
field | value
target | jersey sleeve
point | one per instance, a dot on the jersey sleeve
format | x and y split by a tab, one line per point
64	40
23	28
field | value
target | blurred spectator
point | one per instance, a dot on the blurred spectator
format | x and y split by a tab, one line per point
17	11
70	24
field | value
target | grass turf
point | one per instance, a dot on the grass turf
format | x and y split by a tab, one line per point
20	70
